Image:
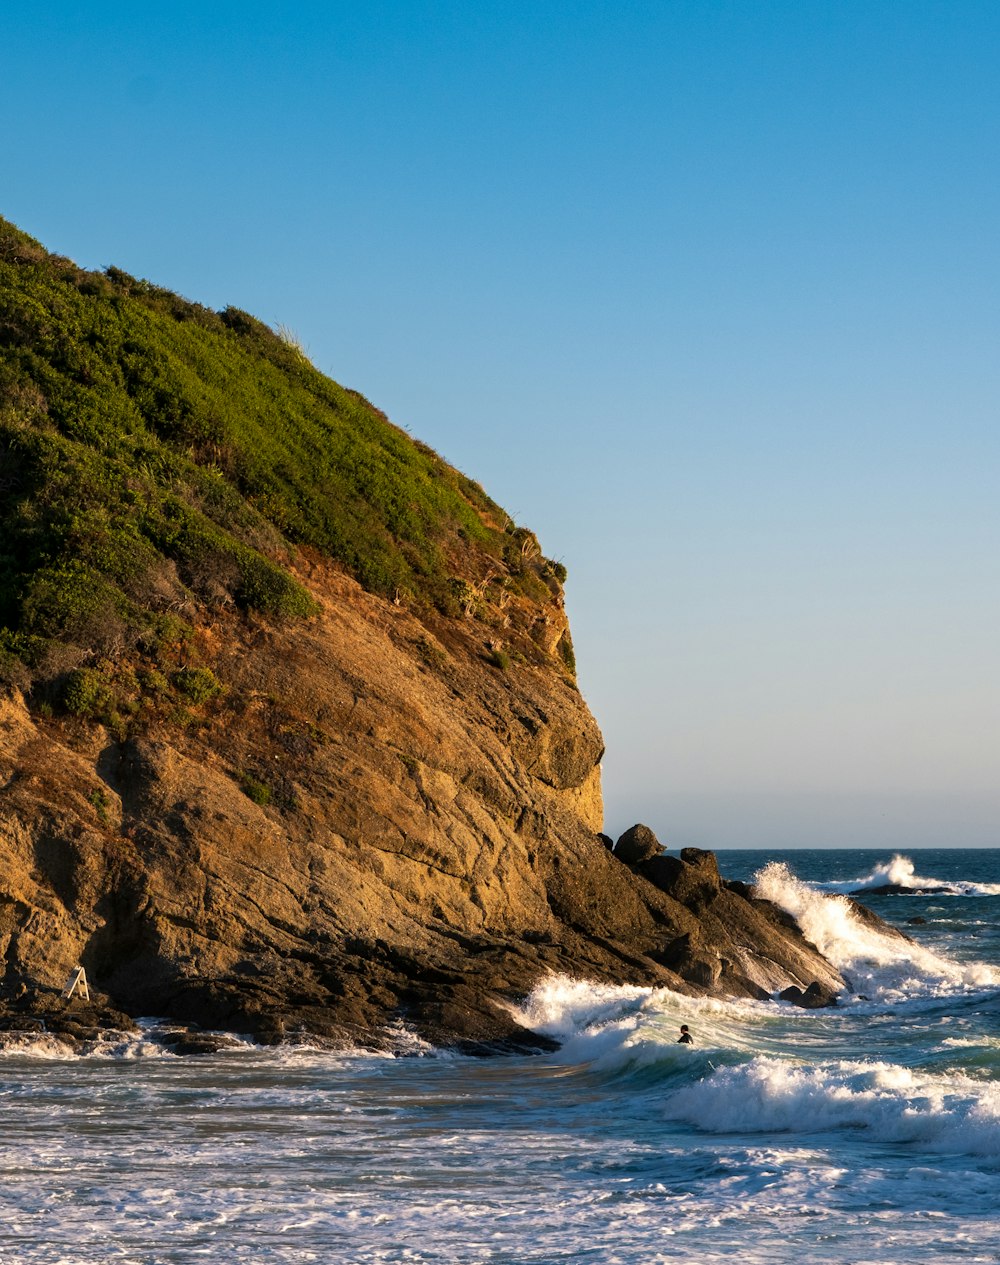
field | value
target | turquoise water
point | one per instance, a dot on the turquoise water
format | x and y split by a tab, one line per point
866	1134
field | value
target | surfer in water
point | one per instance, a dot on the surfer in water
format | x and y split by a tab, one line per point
685	1038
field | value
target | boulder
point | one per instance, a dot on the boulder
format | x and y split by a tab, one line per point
637	844
816	997
871	919
692	879
692	960
734	983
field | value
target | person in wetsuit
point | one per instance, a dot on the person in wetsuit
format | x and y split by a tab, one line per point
685	1038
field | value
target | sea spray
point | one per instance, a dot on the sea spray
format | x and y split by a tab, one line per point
900	872
885	967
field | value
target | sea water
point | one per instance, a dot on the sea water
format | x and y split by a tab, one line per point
866	1134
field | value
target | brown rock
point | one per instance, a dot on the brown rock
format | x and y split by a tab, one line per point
815	997
692	960
637	844
692	879
371	826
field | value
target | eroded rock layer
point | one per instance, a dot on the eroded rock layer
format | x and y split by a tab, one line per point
373	822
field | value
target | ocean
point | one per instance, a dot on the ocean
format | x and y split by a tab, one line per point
868	1134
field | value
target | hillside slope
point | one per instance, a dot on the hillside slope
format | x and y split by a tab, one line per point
290	738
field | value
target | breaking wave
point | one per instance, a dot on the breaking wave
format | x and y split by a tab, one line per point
901	872
887	1102
880	967
758	1067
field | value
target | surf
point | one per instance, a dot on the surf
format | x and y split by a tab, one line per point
879	967
900	872
883	1100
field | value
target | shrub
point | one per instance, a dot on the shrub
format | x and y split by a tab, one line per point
65	598
101	803
13	671
87	693
256	790
152	681
166	448
198	684
15	652
167	634
266	588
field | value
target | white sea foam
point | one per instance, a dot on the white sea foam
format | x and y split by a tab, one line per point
610	1027
620	1030
154	1040
901	872
880	967
288	1155
890	1103
562	1007
45	1047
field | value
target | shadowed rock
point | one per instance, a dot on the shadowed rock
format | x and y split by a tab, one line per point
692	879
815	997
637	844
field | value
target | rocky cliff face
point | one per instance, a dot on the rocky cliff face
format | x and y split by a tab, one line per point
290	738
373	822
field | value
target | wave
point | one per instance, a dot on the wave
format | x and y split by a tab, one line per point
901	872
747	1073
889	1103
879	967
624	1031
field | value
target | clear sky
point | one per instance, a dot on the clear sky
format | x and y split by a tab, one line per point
707	293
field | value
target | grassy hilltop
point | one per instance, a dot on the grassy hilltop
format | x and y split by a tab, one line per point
160	461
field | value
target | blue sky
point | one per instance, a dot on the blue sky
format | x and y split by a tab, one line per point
706	293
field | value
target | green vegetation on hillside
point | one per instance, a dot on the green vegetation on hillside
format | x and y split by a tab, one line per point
156	455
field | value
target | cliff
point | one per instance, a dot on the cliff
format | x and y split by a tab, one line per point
290	737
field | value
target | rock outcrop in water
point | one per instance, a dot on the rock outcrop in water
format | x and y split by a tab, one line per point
290	737
901	889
